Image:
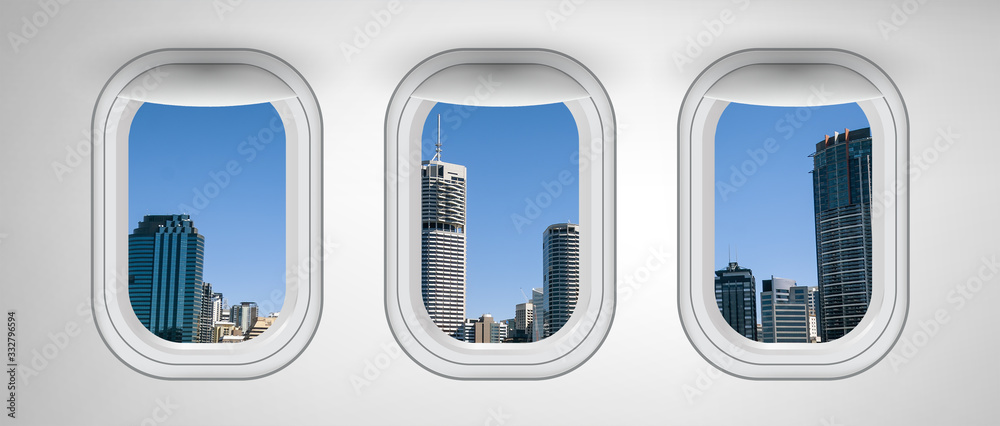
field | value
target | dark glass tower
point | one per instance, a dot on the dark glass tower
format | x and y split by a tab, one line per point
165	260
736	295
205	319
560	275
842	170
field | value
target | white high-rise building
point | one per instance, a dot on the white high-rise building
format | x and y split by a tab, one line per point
216	307
813	313
442	239
561	274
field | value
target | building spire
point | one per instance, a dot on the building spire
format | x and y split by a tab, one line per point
437	147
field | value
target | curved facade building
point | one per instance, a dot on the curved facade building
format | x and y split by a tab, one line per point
561	274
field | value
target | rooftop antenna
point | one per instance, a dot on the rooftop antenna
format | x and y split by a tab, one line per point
737	254
730	253
437	150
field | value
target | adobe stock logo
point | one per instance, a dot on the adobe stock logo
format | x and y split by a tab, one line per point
365	34
713	29
38	20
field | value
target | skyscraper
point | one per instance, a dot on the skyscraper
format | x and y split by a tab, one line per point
520	326
206	322
538	302
813	312
783	311
524	315
842	170
244	315
442	240
165	260
736	296
217	303
561	274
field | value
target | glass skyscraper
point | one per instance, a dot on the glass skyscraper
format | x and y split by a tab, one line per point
561	274
165	260
442	241
842	170
736	296
537	325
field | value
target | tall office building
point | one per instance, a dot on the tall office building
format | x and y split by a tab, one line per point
217	303
484	329
736	296
524	315
442	240
783	311
842	170
206	322
813	313
467	331
561	274
165	260
538	302
519	327
244	315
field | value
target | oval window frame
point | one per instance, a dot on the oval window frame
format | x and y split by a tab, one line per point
871	340
409	322
113	113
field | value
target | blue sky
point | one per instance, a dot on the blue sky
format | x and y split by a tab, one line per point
221	153
508	152
769	214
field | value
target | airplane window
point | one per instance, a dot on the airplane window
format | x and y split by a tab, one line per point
188	144
499	249
193	174
523	214
792	214
780	204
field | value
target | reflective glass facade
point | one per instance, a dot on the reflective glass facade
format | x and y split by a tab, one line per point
842	170
165	263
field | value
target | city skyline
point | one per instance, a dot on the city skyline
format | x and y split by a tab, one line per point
509	152
168	295
217	164
764	219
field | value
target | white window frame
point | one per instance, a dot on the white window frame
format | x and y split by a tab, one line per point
855	78
143	79
411	325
